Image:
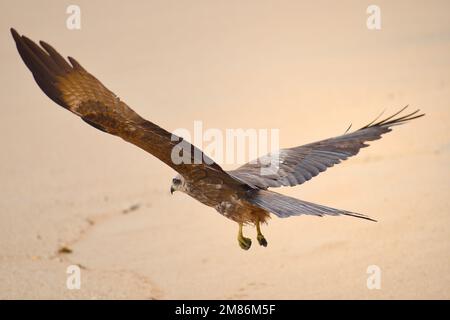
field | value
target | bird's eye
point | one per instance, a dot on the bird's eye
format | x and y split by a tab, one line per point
176	181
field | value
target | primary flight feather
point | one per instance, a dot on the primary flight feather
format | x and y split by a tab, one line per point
241	195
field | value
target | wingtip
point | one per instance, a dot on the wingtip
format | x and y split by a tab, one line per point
15	34
75	63
348	129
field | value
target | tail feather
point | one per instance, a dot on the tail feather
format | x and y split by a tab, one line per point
285	206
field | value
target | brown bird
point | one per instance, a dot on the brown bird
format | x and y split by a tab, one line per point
241	195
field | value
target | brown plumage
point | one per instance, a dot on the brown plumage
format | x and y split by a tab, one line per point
241	195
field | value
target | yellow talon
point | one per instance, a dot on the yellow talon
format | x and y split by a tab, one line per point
244	243
261	240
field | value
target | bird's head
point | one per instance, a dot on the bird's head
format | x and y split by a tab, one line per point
177	184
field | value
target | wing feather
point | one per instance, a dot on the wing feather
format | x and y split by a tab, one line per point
299	164
72	87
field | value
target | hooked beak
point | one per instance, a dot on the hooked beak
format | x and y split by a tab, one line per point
172	190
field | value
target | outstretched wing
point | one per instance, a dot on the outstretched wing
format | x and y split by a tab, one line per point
73	88
293	166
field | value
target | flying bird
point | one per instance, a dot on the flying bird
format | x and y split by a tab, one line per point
241	195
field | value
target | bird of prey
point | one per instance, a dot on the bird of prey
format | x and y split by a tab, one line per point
241	195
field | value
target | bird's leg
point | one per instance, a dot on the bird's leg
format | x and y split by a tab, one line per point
259	236
244	243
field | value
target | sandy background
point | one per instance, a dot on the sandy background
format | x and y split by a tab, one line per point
308	69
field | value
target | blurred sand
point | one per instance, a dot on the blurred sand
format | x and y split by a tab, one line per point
308	69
